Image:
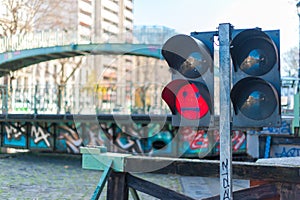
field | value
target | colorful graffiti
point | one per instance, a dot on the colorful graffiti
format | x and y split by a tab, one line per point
14	134
285	128
280	151
142	138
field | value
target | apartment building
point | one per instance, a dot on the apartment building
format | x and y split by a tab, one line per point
150	75
90	21
93	83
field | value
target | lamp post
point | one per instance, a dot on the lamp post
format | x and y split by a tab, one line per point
298	12
296	123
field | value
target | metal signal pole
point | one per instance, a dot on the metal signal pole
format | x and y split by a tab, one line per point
226	192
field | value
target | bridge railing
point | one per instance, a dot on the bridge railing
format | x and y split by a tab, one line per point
98	98
82	99
37	40
49	38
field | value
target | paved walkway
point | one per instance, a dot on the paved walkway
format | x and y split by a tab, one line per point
204	187
36	176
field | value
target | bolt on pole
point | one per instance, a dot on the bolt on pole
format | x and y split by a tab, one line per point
226	192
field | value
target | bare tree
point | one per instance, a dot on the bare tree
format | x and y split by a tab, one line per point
290	64
57	14
62	76
18	17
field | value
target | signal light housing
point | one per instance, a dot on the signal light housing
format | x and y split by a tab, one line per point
190	94
256	78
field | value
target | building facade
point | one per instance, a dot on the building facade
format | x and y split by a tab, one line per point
89	21
93	83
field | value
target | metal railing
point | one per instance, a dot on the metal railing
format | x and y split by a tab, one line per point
50	38
82	99
96	99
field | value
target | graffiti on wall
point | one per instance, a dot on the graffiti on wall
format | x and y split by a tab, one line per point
239	142
14	134
40	136
153	139
285	128
68	138
26	135
280	151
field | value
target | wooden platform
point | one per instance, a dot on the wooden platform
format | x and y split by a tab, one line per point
273	178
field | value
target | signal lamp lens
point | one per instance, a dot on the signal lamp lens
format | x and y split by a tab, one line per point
256	101
194	65
188	56
254	52
190	103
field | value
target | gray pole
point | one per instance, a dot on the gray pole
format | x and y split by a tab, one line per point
225	113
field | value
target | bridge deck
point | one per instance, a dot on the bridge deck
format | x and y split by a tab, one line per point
14	60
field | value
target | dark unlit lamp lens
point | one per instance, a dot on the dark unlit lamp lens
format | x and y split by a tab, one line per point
257	102
187	55
194	65
255	61
254	53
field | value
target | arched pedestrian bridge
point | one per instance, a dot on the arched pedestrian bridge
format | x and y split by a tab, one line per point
17	52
